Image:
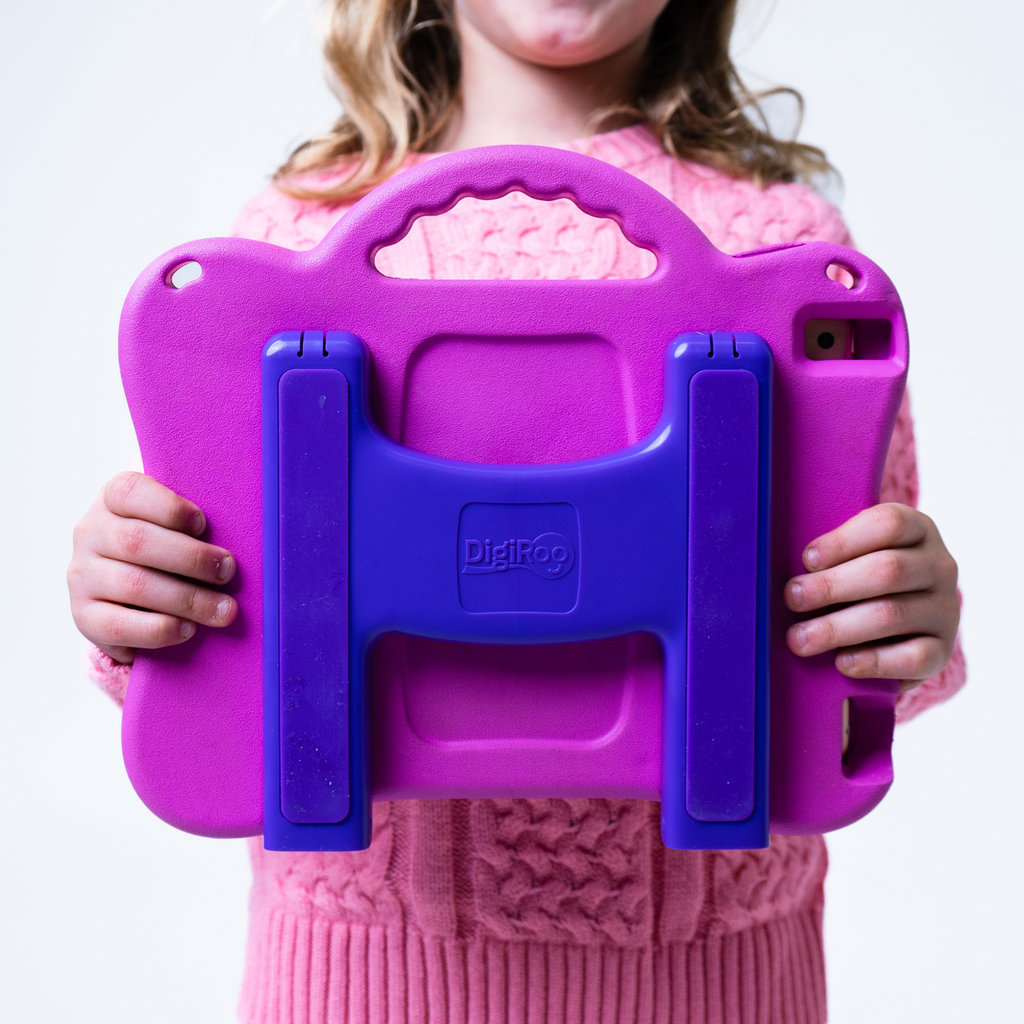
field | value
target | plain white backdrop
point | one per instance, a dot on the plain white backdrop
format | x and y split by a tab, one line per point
128	127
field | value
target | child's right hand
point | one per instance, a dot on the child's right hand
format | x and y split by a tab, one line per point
137	570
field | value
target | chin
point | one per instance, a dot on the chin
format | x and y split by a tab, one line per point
550	36
561	56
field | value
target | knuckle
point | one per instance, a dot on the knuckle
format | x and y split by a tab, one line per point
837	632
75	581
948	645
829	586
119	491
195	603
132	539
197	561
83	575
891	518
949	571
917	663
892	571
119	630
136	584
80	620
89	527
954	622
891	615
80	612
827	633
78	535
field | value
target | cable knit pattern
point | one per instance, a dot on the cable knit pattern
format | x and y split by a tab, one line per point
551	911
109	675
564	870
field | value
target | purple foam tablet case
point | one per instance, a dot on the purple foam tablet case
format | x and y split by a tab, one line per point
668	438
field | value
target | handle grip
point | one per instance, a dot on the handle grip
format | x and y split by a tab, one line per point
646	217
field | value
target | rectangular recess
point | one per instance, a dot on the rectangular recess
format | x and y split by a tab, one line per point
722	595
314	571
872	339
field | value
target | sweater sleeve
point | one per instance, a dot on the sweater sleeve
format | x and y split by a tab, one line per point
109	675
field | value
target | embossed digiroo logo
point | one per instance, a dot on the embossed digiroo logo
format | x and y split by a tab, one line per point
518	558
550	555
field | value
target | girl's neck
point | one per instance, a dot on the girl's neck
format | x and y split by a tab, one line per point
506	99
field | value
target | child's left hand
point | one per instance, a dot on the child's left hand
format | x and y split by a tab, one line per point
895	584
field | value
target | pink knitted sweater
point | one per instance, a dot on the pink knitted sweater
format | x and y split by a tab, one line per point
549	911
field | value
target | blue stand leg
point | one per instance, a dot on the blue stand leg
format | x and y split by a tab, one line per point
309	762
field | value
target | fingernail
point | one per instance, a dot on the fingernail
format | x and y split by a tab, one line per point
796	594
812	558
187	629
198	523
847	662
800	632
223	607
224	566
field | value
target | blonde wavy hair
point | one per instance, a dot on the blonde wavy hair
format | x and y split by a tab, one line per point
394	65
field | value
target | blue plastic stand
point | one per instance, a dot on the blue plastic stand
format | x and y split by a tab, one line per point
363	536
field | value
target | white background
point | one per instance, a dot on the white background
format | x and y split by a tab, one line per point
130	126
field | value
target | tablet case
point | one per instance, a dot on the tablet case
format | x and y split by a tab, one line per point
270	390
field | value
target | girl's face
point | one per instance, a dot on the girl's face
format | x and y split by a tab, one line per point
561	33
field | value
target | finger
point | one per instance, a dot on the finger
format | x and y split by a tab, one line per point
866	622
142	543
910	661
136	496
883	526
122	655
151	590
892	571
113	627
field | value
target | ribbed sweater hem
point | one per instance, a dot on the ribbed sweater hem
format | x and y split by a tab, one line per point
311	970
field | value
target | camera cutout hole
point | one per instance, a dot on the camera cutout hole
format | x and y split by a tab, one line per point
829	339
184	273
841	275
517	238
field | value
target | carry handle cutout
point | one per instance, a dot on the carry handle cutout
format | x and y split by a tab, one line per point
575	245
647	219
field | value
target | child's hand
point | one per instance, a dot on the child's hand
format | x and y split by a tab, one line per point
136	561
890	569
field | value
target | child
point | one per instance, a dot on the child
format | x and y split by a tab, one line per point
540	910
